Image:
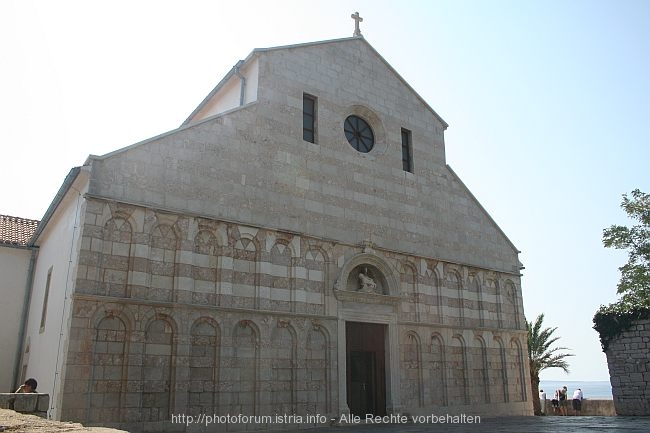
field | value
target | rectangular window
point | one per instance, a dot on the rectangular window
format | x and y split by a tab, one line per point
407	151
47	295
308	118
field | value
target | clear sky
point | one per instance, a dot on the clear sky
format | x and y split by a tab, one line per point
548	104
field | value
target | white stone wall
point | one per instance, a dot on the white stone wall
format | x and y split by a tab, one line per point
46	346
14	265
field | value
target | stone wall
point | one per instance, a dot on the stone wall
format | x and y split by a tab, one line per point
628	359
29	403
589	408
180	314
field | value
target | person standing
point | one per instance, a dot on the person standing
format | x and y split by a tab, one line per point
556	402
577	401
562	397
542	401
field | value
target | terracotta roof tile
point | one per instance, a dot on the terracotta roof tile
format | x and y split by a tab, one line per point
16	231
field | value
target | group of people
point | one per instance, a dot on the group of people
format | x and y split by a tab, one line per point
559	401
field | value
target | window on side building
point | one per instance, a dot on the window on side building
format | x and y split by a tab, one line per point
47	295
308	118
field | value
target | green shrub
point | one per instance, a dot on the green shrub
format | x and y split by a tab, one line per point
611	320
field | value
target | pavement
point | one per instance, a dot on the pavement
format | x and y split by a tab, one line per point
11	421
531	424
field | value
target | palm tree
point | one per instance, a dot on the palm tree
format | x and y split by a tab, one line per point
542	356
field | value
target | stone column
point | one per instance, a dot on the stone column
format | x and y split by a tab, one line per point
342	368
393	400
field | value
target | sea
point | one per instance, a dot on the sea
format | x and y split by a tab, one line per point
598	389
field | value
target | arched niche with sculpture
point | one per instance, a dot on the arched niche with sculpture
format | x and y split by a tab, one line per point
366	277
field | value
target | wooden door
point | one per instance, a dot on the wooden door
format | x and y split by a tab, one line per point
366	378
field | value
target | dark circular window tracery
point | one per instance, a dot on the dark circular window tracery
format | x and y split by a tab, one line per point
359	134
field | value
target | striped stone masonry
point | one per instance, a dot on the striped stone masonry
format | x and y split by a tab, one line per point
180	314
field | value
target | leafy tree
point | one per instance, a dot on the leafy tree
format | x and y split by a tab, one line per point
541	356
635	274
634	286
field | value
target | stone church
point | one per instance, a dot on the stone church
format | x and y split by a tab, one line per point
298	246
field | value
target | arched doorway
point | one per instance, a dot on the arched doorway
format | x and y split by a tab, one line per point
366	291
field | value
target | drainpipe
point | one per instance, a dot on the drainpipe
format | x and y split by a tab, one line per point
23	320
242	80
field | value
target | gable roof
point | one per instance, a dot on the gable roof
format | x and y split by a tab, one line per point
58	198
256	51
16	231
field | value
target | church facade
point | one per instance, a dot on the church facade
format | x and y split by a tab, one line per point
299	246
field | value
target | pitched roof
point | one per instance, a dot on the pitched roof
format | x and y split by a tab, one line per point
16	231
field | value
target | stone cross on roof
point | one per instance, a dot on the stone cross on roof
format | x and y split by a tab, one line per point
357	19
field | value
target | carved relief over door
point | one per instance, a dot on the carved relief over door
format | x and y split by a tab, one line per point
366	278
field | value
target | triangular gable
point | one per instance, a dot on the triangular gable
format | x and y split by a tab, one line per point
257	51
